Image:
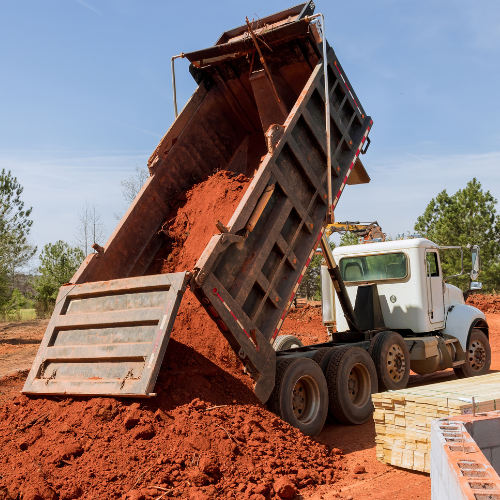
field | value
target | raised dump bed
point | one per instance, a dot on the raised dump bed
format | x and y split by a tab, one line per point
266	122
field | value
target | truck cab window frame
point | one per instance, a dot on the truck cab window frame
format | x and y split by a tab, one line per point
379	267
431	257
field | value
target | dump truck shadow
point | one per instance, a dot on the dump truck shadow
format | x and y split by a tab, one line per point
186	375
19	341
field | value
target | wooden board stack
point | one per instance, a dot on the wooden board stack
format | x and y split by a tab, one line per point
403	418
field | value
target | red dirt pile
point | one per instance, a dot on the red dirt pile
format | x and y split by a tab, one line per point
190	224
486	303
305	323
205	436
188	228
192	441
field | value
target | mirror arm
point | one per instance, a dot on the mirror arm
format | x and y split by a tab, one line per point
461	259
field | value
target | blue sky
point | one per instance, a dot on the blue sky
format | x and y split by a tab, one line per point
85	95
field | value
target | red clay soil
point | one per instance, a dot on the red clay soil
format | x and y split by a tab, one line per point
190	224
487	303
306	324
188	229
19	343
204	436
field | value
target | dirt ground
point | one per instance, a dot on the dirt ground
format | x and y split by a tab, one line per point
19	342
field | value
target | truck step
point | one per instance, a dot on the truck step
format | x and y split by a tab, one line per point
458	363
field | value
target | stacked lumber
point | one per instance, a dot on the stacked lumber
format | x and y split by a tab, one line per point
403	418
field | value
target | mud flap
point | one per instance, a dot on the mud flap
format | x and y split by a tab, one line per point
107	337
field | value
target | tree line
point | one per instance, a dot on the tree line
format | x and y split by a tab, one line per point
465	218
24	286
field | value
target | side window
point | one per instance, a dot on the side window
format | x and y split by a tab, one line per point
432	259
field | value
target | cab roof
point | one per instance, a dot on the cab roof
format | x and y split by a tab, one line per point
386	246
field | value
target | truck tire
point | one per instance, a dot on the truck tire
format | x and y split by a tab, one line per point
322	357
300	395
477	356
392	360
284	342
351	377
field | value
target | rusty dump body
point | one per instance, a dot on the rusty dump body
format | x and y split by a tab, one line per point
267	122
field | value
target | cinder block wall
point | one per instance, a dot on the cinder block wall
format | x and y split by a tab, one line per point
459	468
486	433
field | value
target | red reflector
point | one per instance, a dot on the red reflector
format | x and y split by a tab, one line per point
212	311
222	325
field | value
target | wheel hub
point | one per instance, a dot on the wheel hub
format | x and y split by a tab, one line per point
305	399
477	355
359	385
299	399
353	385
396	364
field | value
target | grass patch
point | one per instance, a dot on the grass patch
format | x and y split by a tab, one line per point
21	315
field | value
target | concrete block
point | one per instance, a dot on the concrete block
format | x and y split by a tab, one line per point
486	432
495	459
487	453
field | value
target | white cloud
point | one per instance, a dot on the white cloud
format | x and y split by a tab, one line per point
85	4
56	185
402	186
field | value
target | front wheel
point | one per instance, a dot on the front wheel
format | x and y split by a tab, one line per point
300	395
477	356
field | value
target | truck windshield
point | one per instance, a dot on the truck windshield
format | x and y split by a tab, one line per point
374	267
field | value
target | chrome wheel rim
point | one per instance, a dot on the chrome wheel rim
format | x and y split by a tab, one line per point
477	355
358	385
396	364
305	399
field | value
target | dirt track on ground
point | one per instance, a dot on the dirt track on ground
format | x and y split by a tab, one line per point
18	344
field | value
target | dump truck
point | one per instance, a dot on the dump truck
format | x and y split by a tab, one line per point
273	103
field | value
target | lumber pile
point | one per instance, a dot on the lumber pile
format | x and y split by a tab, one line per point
403	418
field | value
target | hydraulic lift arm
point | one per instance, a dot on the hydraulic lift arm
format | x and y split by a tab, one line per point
338	285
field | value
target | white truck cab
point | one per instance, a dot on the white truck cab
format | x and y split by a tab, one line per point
416	302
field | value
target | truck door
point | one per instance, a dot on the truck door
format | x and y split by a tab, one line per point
434	279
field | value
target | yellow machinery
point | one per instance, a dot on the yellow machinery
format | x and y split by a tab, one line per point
368	231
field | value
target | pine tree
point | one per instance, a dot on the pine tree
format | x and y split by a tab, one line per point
466	218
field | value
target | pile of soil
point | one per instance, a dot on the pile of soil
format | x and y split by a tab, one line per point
188	228
204	436
190	224
486	303
305	323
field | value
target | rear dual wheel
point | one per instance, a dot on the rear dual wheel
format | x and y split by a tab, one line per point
300	395
284	342
351	377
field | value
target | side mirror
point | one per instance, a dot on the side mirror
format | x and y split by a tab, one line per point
476	263
475	285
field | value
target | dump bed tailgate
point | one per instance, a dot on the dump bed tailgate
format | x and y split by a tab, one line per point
107	337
